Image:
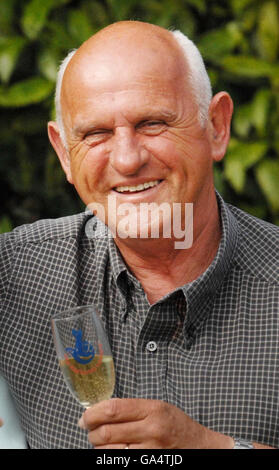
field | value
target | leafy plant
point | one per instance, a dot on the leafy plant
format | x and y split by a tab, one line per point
239	40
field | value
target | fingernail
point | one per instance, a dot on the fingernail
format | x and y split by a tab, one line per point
81	423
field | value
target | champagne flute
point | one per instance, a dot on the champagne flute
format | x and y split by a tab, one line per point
84	354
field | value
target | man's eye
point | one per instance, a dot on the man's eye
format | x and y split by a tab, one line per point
97	132
153	123
97	135
152	127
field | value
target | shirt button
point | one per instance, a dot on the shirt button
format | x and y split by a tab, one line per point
151	346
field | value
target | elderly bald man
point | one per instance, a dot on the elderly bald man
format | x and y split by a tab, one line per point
192	330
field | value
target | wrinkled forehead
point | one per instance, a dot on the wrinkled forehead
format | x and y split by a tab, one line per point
107	60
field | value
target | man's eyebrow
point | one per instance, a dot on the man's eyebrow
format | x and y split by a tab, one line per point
83	127
159	114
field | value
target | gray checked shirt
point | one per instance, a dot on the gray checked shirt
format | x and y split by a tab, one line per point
210	347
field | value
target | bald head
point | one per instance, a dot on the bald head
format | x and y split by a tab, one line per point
125	31
130	44
126	44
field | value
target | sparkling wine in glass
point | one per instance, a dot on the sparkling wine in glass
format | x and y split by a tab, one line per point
84	354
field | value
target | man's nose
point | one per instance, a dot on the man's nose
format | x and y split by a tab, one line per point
128	155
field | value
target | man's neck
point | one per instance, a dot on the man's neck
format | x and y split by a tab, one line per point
161	268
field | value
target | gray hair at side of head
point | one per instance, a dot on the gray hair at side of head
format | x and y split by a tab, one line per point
58	110
198	78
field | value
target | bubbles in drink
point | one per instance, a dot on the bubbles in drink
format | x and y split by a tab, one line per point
90	383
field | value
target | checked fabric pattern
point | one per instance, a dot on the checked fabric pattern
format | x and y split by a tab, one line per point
216	353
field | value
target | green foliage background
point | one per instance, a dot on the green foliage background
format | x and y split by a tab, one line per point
239	40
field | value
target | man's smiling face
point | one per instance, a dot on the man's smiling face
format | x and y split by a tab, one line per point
131	123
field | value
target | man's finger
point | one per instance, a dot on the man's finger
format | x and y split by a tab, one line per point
111	446
130	432
115	410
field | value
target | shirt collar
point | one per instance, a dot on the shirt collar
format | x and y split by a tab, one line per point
199	294
108	257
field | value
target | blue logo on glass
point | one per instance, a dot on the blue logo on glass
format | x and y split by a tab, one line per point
83	352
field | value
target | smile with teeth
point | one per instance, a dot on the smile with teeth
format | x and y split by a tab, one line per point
139	187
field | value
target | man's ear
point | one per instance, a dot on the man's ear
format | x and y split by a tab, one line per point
62	153
220	115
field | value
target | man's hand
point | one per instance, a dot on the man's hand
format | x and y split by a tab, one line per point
146	424
1	422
